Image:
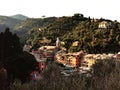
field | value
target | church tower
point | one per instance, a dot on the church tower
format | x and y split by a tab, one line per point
58	42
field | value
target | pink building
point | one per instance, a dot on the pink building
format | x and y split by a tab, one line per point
42	66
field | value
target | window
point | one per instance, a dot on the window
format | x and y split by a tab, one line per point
62	58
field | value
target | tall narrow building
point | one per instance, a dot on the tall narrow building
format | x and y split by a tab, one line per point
58	42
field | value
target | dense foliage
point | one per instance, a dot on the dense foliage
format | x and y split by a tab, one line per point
18	64
106	76
28	30
96	40
86	31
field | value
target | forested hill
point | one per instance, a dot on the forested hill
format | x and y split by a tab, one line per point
50	27
96	36
92	35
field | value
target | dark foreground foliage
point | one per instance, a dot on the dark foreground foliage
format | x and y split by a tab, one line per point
14	63
106	76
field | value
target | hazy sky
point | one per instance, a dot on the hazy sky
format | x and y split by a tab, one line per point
108	9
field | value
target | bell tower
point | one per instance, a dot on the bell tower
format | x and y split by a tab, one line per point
58	42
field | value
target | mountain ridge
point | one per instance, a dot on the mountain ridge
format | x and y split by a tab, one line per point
19	17
8	22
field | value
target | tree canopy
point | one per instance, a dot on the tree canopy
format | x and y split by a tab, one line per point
19	64
86	31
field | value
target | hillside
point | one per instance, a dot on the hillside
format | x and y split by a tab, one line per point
29	28
86	31
53	27
2	28
9	22
19	17
93	39
92	35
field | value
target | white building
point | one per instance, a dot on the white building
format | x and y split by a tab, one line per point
58	42
104	25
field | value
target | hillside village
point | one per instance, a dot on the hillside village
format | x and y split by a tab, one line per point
70	63
70	59
92	35
69	50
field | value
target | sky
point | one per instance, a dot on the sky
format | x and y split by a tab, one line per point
108	9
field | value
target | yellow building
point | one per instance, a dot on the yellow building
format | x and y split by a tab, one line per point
76	43
88	60
70	59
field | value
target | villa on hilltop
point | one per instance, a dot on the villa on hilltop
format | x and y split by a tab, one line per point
105	25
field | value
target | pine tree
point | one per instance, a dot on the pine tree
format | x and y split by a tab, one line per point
18	63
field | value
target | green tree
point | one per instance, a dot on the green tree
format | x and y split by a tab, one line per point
68	42
106	75
17	63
